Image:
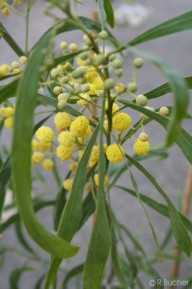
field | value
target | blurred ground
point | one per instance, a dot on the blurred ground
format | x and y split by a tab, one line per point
170	173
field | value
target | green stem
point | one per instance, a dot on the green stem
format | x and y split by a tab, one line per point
27	27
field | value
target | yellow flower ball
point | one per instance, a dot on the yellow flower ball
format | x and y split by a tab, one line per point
66	138
67	184
115	107
96	179
88	132
115	153
94	156
8	122
90	75
121	121
141	147
64	153
35	145
47	164
98	83
8	111
62	120
79	126
93	89
44	134
73	166
4	69
36	158
44	147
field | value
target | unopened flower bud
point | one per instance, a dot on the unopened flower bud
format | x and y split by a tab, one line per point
138	62
141	99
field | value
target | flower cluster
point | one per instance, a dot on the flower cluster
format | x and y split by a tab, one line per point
5	8
85	84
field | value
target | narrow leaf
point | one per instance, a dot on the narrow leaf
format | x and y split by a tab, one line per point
16	275
69	222
8	90
11	42
100	242
21	158
176	24
109	13
165	88
101	12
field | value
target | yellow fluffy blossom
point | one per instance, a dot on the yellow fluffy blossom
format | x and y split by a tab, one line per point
90	75
62	120
115	153
121	121
37	158
98	83
96	179
141	147
64	153
66	138
44	134
73	166
35	145
94	156
47	164
88	132
44	147
79	126
67	184
8	122
93	89
4	69
8	111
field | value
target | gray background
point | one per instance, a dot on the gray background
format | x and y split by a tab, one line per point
170	173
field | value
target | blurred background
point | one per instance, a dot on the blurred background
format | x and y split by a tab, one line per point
133	19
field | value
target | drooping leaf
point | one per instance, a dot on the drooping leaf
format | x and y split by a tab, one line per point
181	235
176	24
165	88
8	90
16	275
21	157
159	207
109	13
101	12
11	42
100	242
38	205
69	222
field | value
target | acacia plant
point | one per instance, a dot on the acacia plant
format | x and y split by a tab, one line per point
88	128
